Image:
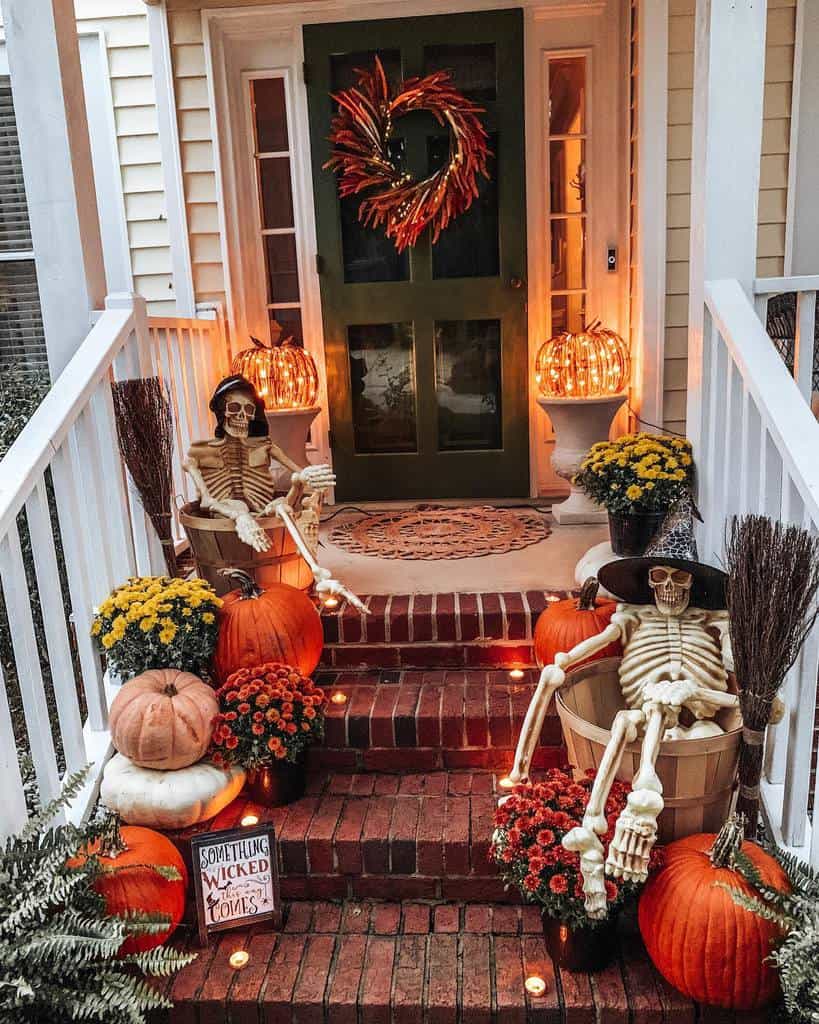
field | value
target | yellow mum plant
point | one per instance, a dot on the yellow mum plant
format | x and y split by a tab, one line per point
637	472
157	622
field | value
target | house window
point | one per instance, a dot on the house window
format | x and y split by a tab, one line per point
567	185
279	241
22	340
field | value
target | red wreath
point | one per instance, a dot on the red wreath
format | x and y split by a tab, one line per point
359	136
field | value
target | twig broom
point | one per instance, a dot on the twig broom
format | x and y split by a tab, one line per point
145	434
773	576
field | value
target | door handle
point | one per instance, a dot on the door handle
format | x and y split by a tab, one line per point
516	282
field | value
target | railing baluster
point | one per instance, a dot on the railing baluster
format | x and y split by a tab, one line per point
734	415
804	343
181	376
801	698
716	444
13	811
117	513
84	454
750	453
51	603
27	663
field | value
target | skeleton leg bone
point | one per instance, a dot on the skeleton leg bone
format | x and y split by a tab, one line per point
584	839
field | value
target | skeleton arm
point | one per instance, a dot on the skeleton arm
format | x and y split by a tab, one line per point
719	622
551	679
303	483
247	529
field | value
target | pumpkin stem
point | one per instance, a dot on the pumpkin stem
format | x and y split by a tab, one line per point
247	584
588	594
728	842
170	690
111	842
257	343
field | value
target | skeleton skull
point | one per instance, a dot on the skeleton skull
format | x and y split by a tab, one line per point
672	588
240	410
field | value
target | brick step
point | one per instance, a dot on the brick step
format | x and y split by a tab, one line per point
491	630
421	835
422	721
403	962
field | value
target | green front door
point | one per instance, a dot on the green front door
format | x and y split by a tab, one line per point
427	350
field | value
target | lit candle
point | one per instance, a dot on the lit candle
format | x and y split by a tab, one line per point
535	986
516	673
552	598
339	698
250	819
506	783
331	602
239	959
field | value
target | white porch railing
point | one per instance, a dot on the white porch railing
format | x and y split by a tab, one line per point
757	444
806	288
70	444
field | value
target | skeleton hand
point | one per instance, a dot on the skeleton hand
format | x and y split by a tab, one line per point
315	478
582	840
328	587
671	693
634	836
249	531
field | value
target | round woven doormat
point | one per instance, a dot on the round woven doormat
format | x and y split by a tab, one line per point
431	532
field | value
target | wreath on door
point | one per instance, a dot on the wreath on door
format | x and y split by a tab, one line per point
360	135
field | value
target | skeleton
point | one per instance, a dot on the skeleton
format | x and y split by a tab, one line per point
675	657
234	477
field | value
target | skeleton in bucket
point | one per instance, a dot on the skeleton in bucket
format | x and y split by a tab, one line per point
235	476
674	680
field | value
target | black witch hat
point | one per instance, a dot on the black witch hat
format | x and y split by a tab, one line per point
258	425
675	546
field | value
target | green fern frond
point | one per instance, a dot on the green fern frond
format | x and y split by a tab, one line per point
161	962
754	904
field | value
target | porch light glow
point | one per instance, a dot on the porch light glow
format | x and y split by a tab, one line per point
535	986
284	375
239	959
250	819
588	365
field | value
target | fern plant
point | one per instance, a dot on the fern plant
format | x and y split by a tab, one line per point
59	958
797	913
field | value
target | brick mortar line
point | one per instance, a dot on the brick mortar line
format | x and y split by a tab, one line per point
434	617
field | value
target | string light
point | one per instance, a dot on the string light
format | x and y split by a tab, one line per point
284	375
587	365
535	985
239	959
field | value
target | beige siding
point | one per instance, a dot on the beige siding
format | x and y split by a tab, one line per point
196	148
773	177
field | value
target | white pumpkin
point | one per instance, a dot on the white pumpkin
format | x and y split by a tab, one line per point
168	799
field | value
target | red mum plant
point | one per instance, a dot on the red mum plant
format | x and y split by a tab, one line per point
527	844
267	713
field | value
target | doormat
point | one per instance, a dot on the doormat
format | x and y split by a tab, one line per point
432	532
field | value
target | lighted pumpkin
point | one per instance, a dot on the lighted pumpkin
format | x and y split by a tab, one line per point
256	626
163	718
700	940
590	364
564	624
284	374
130	882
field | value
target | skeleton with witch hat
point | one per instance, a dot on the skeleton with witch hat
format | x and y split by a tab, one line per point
234	476
673	628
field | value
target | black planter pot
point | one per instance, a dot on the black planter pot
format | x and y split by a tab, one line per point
631	533
581	948
277	784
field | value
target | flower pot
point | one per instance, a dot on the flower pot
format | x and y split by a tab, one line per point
274	785
631	532
581	947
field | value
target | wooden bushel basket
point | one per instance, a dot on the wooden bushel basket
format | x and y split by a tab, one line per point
215	546
698	775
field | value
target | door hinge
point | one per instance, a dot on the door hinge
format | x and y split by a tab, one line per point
305	72
319	264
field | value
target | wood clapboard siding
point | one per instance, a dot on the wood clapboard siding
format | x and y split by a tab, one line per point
196	149
773	189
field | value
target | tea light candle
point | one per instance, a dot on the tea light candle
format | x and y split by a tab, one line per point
535	986
250	819
331	602
516	673
506	783
338	697
239	959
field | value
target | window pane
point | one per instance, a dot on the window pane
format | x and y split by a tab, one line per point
567	176
22	340
277	197
568	313
567	95
270	115
472	66
469	246
343	66
382	385
290	322
468	384
282	269
568	253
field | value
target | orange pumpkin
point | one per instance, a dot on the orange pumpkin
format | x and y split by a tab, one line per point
277	624
565	623
163	719
700	940
284	374
129	881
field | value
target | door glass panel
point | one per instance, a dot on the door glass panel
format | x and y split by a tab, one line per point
568	253
469	246
290	322
277	196
343	67
270	115
472	66
567	176
468	384
382	387
567	95
568	313
282	269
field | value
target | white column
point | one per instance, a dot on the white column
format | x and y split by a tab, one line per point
802	231
729	81
49	103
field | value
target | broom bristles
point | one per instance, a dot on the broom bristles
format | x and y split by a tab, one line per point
145	434
773	577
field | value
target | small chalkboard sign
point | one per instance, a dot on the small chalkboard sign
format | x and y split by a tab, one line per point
235	878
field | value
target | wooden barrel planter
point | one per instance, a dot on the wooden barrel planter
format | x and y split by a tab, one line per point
698	775
215	546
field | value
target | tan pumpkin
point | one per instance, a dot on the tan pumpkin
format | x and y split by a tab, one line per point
163	718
